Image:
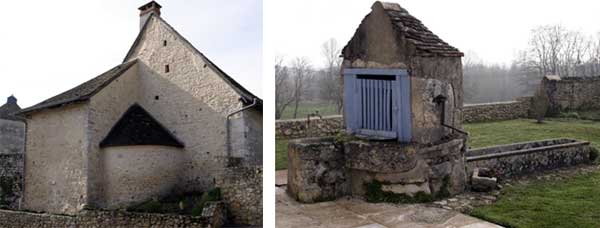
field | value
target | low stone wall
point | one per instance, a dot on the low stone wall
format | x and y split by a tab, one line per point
17	219
11	176
321	169
497	110
241	188
521	158
304	128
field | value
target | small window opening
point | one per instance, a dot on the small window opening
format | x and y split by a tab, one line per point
167	69
156	97
164	42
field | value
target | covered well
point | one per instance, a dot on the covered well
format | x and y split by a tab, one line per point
401	80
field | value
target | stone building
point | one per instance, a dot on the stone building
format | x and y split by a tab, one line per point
12	146
403	102
159	123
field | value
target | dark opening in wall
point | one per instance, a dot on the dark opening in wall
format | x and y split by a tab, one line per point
167	68
164	42
156	97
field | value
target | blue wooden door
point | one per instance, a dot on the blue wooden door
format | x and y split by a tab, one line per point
377	103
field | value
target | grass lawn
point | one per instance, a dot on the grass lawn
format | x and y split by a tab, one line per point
521	130
304	109
571	203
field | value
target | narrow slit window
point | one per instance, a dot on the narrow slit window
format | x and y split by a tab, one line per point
165	43
167	68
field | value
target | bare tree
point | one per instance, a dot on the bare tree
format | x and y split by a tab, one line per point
301	74
331	85
283	91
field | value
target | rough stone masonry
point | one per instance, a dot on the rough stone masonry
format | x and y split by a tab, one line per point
12	150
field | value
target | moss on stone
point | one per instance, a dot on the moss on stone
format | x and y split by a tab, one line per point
375	194
189	203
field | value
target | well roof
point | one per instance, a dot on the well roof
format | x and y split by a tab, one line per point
415	32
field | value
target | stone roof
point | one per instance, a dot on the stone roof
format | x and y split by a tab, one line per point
84	91
138	127
8	110
427	43
246	95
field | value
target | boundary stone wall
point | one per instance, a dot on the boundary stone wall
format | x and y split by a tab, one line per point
90	218
304	128
572	93
11	176
497	110
331	125
241	189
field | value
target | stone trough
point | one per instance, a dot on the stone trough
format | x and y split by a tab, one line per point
522	158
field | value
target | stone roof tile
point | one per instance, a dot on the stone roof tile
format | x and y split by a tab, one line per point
82	92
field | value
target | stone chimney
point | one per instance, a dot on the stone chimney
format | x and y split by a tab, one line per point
11	100
147	10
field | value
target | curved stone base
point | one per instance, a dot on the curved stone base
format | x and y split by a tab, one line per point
407	170
321	169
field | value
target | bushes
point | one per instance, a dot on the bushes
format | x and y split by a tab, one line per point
188	204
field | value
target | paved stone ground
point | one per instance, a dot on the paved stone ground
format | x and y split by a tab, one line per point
358	213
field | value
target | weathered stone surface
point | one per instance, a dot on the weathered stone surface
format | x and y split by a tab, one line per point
521	158
241	189
12	149
380	157
11	180
572	93
306	128
55	177
316	170
409	189
12	136
481	181
130	170
521	108
214	213
86	218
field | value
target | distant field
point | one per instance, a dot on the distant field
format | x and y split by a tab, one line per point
307	108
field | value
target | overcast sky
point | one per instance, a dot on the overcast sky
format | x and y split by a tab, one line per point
495	30
48	47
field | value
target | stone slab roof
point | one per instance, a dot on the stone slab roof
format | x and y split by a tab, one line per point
246	96
427	43
138	127
82	92
8	110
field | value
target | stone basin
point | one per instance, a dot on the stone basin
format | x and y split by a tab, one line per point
527	157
